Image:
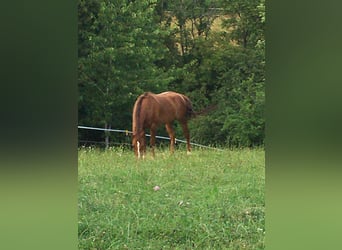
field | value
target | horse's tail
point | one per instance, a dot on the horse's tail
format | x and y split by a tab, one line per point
190	113
205	111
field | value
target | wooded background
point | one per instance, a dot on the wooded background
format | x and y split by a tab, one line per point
211	51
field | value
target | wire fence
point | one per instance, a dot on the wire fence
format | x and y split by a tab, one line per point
127	132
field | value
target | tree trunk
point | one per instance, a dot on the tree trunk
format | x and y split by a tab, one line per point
107	135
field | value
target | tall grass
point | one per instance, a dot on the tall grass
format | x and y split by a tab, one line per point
208	200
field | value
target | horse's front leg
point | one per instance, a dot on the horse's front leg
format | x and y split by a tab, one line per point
171	133
153	138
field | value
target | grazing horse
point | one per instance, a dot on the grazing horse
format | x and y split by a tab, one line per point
152	110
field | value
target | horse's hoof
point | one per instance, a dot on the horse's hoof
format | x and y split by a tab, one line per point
188	152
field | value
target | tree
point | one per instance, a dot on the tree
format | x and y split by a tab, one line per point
119	46
230	75
246	21
128	47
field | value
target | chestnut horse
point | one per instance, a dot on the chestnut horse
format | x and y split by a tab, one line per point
152	110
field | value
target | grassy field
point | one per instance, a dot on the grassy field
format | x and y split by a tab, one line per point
208	200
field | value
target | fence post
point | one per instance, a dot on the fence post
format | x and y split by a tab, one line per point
107	135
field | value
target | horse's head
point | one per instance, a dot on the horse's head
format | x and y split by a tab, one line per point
139	144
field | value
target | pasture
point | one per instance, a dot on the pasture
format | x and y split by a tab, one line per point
207	200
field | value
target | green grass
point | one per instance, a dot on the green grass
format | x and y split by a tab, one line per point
208	200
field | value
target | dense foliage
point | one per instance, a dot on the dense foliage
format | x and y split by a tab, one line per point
212	51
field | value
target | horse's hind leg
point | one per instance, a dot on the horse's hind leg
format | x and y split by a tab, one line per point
187	136
153	139
171	133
